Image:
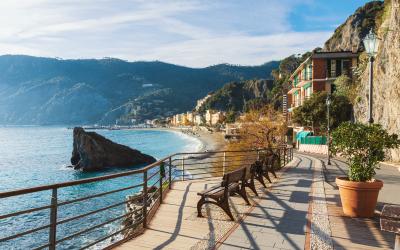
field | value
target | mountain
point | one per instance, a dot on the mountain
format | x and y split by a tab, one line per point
35	90
239	96
349	35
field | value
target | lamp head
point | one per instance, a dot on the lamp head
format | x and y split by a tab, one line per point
371	43
328	100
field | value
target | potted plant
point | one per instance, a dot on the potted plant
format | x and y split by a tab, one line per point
363	145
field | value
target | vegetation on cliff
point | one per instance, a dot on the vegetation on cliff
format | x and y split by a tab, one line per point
239	96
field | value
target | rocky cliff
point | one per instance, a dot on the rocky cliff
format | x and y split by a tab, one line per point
386	89
349	35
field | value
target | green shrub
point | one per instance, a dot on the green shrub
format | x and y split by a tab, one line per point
364	146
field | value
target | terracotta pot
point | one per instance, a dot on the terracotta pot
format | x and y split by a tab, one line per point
358	198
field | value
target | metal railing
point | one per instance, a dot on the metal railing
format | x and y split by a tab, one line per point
157	177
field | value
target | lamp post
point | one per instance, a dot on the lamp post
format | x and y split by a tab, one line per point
371	44
328	104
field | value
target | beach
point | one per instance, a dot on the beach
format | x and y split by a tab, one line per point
204	141
210	141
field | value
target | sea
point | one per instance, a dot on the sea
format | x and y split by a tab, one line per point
33	156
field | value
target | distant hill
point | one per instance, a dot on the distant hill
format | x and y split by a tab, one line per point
36	90
239	96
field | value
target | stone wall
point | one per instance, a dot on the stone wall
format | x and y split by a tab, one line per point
386	89
312	148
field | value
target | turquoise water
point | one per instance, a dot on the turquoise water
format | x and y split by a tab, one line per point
32	156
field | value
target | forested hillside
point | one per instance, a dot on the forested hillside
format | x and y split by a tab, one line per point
53	91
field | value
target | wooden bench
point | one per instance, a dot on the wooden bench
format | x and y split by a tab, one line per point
232	182
265	165
390	222
251	175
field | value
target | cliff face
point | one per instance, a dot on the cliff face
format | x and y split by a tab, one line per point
386	89
349	35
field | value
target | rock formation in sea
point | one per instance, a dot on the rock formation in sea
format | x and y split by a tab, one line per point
92	151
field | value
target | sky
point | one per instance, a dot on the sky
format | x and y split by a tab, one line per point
195	33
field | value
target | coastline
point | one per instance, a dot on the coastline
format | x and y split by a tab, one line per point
209	141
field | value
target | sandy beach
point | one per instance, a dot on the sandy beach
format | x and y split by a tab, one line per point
210	141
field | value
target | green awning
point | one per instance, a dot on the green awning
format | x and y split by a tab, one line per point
302	134
307	85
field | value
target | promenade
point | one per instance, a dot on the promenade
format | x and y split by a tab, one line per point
299	210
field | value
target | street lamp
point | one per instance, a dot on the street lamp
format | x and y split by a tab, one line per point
328	104
371	44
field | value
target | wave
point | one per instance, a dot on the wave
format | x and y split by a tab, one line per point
193	144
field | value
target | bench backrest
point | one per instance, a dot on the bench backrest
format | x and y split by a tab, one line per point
390	218
234	176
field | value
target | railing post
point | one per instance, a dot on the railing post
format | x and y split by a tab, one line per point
183	168
170	173
53	220
291	153
161	188
284	156
224	164
145	199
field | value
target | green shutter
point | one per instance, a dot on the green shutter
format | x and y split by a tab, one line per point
307	85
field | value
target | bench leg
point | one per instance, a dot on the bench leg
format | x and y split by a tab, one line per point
272	171
242	192
225	206
261	180
252	186
199	205
267	177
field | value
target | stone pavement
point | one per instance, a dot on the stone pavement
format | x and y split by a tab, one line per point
279	220
358	233
300	210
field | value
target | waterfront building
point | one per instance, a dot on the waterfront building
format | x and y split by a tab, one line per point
198	119
190	117
317	73
217	118
201	101
208	116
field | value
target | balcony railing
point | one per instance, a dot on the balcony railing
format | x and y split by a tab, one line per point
152	183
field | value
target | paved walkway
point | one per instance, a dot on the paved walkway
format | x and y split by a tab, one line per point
282	211
360	233
279	220
300	210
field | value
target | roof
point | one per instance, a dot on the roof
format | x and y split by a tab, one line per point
334	54
324	55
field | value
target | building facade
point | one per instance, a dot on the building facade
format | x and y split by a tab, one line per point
317	73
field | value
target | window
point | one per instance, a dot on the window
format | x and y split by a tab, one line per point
346	67
333	68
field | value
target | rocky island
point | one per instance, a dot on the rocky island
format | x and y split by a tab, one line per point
92	151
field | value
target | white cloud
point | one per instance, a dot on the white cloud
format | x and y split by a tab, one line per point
192	33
